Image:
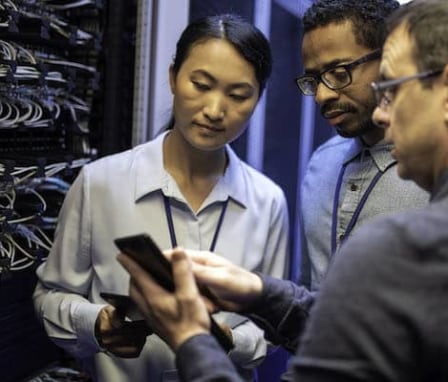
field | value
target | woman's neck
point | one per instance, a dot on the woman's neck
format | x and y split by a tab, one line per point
195	171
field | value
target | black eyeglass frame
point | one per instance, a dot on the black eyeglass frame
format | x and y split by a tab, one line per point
347	67
380	88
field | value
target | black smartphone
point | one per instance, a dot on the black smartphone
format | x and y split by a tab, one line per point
147	254
124	304
127	307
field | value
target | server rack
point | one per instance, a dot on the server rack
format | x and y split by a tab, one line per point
66	93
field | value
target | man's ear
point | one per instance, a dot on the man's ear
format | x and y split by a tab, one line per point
172	77
445	75
445	86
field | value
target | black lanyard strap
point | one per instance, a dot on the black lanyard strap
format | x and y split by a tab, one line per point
358	209
169	218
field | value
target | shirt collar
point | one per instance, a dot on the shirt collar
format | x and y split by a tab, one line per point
234	179
441	187
380	152
150	175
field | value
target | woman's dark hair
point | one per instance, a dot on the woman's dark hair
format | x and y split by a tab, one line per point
249	41
244	37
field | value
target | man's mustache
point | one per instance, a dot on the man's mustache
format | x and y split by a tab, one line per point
332	108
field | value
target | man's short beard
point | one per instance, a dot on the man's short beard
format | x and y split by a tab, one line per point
366	126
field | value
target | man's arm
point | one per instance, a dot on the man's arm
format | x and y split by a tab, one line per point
201	359
279	307
177	317
282	311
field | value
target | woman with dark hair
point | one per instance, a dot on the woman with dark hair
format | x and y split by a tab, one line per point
250	43
186	187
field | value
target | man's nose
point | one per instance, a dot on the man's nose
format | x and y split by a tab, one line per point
325	94
380	118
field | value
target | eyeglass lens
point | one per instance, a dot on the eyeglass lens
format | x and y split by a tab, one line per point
334	78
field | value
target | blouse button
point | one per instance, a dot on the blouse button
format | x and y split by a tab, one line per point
353	187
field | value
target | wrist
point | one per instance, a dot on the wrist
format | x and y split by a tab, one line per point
254	292
180	338
257	286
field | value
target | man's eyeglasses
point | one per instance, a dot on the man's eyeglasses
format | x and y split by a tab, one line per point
385	90
335	78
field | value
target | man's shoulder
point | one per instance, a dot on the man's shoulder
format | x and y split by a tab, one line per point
329	156
388	250
335	143
332	149
413	229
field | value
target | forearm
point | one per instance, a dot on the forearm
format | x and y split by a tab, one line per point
282	311
64	280
69	320
201	359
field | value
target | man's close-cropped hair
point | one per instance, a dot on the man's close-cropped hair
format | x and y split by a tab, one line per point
428	29
368	18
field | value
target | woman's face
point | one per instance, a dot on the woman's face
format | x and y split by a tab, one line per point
214	94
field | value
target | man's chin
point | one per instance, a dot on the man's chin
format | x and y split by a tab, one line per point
343	132
355	130
402	172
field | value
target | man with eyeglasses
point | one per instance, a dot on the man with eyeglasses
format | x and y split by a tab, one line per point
352	177
381	313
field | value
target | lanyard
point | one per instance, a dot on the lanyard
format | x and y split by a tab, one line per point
169	218
358	209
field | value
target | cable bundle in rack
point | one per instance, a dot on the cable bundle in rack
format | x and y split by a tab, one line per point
13	13
18	66
10	171
78	111
22	241
20	107
30	198
70	4
26	247
75	71
33	107
59	62
23	66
